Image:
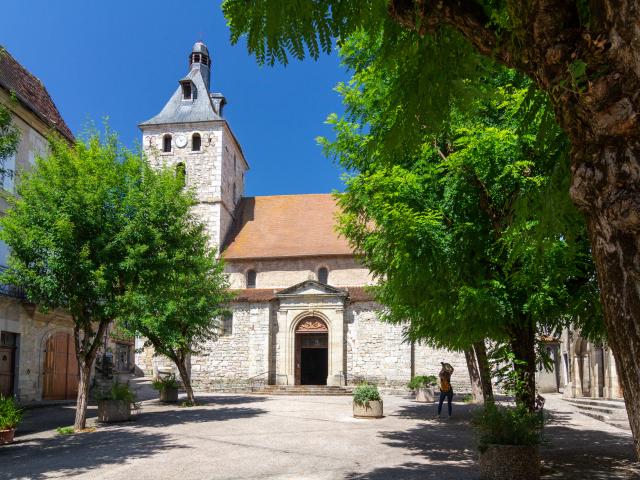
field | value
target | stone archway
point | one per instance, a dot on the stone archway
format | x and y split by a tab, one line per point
311	351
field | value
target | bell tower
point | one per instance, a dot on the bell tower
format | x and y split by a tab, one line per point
191	136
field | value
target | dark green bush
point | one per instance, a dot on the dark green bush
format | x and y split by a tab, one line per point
162	383
10	413
507	426
365	393
421	381
118	391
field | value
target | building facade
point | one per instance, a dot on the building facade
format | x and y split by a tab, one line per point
37	350
301	313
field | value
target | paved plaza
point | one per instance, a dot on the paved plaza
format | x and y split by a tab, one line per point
240	436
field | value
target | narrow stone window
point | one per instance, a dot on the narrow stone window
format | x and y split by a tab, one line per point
181	173
196	142
226	325
251	279
323	275
186	91
166	143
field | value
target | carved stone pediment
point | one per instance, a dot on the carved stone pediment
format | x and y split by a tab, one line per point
311	287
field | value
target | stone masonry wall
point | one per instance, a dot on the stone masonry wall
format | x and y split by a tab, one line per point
228	361
33	328
283	273
377	351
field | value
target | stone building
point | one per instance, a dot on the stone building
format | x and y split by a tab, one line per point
37	352
301	315
35	357
588	369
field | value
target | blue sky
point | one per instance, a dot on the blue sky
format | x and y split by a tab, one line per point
123	58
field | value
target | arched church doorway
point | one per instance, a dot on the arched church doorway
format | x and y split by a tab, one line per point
312	352
60	379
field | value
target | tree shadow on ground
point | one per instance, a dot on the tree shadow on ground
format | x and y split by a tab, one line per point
39	420
573	453
182	415
75	454
228	399
462	412
443	448
417	471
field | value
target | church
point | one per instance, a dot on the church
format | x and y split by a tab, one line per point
301	315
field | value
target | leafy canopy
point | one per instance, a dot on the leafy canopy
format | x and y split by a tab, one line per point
446	226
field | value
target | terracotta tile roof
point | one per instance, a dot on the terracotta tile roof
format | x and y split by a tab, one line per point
31	92
254	294
359	294
356	294
285	226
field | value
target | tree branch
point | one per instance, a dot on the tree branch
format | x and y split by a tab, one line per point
465	16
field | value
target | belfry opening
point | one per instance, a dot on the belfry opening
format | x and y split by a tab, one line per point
312	352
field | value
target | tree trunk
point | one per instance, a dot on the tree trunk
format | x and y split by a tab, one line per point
474	374
523	337
484	370
617	257
186	379
83	395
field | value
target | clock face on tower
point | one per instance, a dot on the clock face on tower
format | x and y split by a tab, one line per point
181	141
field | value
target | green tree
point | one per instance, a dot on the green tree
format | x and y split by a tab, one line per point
63	231
582	54
175	287
9	136
448	230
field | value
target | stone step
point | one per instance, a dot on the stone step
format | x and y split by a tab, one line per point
602	409
302	390
617	404
612	412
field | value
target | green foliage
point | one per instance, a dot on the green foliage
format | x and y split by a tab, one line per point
175	287
10	413
420	381
119	392
499	425
9	137
365	393
65	430
162	383
64	228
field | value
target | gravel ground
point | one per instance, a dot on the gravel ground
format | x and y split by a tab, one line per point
236	436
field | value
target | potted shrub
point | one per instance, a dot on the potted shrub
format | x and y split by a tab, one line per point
10	417
115	404
423	386
508	441
168	388
366	401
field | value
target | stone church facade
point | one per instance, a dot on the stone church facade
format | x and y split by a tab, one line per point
301	313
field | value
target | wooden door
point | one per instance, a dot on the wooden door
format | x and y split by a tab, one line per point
7	367
60	368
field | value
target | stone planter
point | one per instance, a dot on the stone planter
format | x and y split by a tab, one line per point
510	462
169	395
425	394
6	436
372	410
110	411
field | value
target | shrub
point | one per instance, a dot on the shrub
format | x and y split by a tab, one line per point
507	426
365	393
421	381
10	413
162	383
118	391
65	430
